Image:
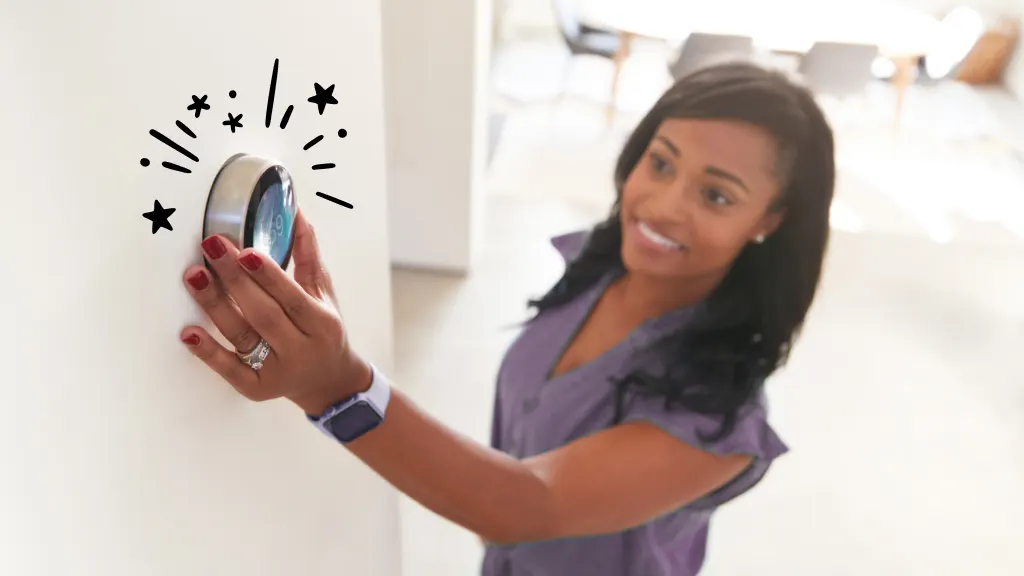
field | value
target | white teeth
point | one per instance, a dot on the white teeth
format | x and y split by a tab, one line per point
657	238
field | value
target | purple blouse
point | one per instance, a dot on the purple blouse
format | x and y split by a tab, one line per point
534	414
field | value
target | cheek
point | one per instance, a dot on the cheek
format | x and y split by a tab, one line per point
640	184
719	238
630	192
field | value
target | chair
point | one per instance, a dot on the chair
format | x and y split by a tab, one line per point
701	48
950	109
838	69
839	74
582	39
960	30
532	71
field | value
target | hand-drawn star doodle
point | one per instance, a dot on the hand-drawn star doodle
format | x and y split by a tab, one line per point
233	122
159	216
198	104
323	97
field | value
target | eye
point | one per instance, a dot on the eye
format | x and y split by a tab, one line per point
659	164
715	196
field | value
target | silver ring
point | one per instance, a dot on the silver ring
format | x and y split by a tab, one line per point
255	357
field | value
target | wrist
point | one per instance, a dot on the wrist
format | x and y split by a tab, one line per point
315	402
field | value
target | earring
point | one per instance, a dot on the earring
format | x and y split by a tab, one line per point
759	239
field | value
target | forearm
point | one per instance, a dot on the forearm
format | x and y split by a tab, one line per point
481	489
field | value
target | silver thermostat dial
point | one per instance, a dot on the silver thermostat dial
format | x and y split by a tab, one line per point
252	203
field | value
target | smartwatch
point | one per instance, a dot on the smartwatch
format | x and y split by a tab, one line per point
358	414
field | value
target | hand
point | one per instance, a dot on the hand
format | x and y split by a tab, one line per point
248	297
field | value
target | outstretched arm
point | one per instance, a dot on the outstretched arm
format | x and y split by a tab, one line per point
606	482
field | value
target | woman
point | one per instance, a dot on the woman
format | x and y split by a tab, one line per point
631	405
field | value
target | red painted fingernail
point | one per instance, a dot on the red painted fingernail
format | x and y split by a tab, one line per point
214	248
191	340
199	280
251	261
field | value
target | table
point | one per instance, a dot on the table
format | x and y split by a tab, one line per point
786	26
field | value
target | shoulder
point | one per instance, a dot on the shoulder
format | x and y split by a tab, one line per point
570	244
752	435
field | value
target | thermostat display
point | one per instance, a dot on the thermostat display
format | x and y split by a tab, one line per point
252	203
273	230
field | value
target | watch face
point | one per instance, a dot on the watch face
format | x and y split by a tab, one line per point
272	232
356	420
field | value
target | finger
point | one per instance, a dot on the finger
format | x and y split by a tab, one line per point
221	360
259	309
309	269
302	309
212	298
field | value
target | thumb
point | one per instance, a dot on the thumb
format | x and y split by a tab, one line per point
309	270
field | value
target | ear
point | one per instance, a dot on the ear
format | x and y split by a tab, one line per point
771	222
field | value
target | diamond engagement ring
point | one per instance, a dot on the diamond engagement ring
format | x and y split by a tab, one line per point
255	357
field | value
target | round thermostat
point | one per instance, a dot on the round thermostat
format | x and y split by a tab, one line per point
252	203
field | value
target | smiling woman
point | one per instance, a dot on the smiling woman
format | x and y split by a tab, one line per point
631	406
700	226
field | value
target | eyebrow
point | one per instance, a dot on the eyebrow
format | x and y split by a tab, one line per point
710	170
669	144
713	171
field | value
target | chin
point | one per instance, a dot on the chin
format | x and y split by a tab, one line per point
643	266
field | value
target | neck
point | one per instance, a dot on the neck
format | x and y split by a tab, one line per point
644	297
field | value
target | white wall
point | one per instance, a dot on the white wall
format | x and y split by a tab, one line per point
437	56
1014	76
120	454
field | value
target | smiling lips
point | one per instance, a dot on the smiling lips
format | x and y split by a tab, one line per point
655	239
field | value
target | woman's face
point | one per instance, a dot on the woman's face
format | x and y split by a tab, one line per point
699	194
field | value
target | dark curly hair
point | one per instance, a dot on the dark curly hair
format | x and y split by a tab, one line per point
743	331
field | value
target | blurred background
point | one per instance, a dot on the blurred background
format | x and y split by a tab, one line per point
902	403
